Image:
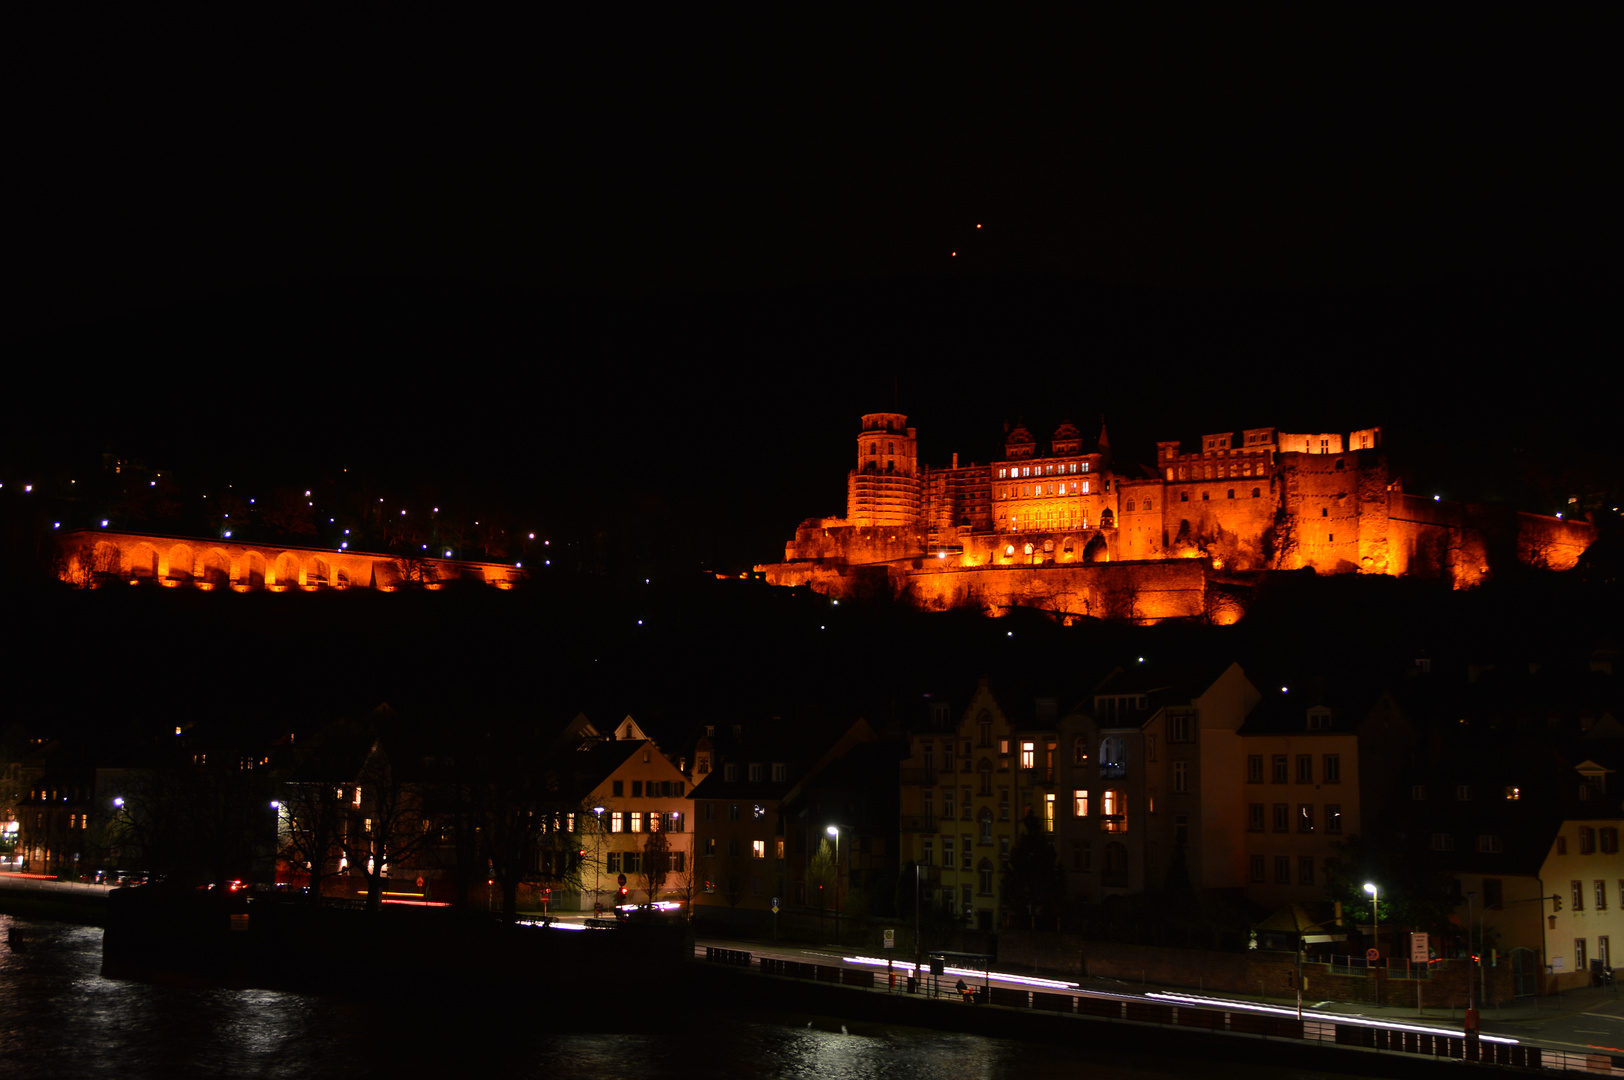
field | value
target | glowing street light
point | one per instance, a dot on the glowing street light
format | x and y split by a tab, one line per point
1375	914
834	831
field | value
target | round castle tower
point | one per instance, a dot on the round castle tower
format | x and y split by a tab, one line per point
884	488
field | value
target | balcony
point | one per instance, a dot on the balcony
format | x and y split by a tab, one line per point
919	823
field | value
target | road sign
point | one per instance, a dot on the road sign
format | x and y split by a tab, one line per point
1418	948
890	939
1372	955
622	879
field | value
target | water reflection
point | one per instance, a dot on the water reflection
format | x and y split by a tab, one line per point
60	1017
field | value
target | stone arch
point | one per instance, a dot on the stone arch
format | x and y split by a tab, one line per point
286	570
316	572
1096	551
141	561
182	562
385	574
341	578
214	568
253	570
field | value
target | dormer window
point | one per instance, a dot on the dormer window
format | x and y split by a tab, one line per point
1319	718
730	772
755	772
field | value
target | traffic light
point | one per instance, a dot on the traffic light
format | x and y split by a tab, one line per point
623	892
1494	957
1556	903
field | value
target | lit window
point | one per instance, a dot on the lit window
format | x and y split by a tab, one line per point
637	821
1113	811
1028	755
617	821
758	848
1079	803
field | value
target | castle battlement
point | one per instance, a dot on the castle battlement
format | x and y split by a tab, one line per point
1265	500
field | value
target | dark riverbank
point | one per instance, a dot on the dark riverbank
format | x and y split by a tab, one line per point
80	905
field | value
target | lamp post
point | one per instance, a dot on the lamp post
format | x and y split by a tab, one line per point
1376	915
918	926
834	831
597	862
1471	982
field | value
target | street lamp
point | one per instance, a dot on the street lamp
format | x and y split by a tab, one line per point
834	831
597	864
1375	914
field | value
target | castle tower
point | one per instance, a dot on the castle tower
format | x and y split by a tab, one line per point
884	488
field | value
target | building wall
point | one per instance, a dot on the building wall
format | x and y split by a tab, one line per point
985	790
1307	839
650	787
1590	885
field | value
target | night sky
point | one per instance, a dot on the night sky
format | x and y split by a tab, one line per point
653	268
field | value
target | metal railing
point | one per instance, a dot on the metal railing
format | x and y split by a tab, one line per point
1219	1017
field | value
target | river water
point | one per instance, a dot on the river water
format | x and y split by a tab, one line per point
60	1018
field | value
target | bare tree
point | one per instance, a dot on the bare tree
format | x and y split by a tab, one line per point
684	879
384	823
311	817
89	564
656	864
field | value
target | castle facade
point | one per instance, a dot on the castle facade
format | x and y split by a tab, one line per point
1064	527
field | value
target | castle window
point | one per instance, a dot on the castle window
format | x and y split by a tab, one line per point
1130	506
1340	464
1184	496
1256	492
1147	504
1231	493
1085	487
1205	496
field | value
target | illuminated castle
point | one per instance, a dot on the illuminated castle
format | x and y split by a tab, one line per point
1068	532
